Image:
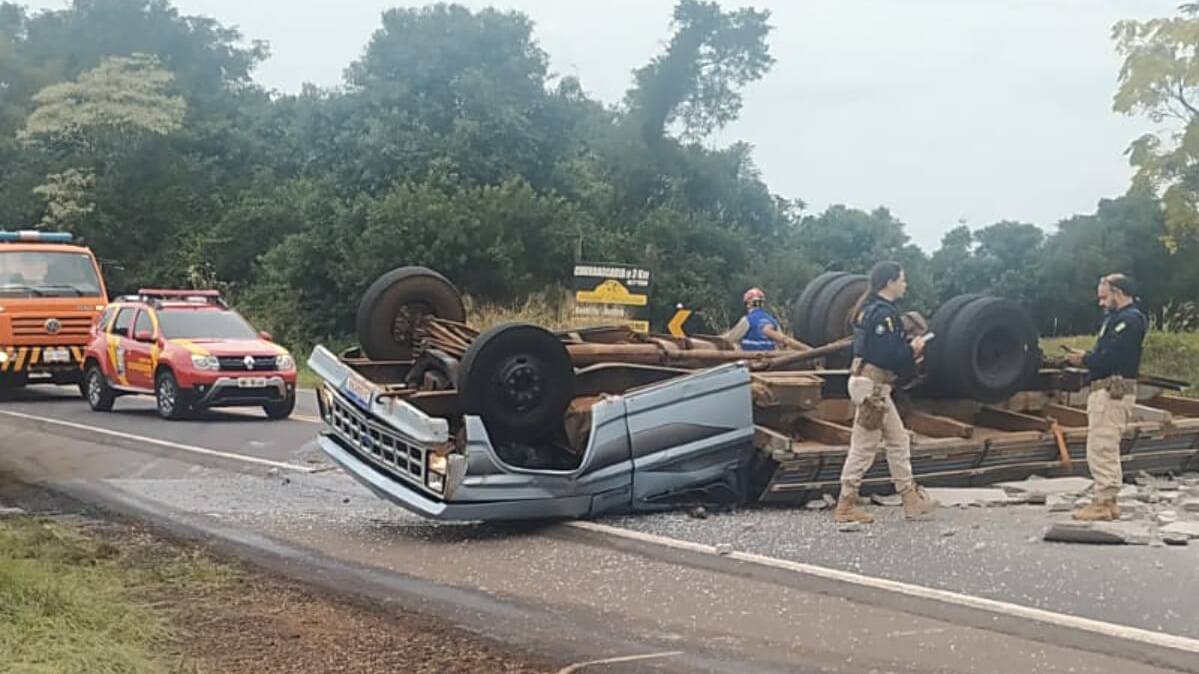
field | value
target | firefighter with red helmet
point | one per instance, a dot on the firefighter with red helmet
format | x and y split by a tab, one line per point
762	331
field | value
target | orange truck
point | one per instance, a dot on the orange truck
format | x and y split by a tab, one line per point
50	295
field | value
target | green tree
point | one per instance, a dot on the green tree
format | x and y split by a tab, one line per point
697	81
108	110
1160	79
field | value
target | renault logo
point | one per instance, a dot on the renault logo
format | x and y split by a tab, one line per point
53	326
249	361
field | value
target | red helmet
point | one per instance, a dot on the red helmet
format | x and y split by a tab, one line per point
754	295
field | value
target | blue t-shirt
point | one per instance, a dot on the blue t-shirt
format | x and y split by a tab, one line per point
755	339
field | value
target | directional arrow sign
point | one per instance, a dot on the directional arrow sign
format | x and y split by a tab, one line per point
676	324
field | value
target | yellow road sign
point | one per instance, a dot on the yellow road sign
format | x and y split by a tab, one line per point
676	324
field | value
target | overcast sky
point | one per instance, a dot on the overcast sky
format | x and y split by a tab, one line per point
940	110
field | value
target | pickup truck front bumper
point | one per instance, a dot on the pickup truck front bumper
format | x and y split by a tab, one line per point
399	493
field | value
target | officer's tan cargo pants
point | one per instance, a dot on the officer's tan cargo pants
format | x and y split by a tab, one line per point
863	443
1106	419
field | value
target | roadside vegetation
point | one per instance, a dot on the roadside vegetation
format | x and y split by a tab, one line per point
1167	354
75	604
85	596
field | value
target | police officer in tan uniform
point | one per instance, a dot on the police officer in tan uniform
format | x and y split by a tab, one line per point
1114	364
883	356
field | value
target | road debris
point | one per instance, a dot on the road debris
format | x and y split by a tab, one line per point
724	549
1038	489
817	504
699	513
977	498
1101	533
1189	529
888	501
11	512
1061	503
1166	517
849	527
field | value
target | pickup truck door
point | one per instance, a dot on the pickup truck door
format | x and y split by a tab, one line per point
691	438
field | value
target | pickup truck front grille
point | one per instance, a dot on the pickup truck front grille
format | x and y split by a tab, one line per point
375	443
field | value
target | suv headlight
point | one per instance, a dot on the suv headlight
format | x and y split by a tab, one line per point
206	362
285	362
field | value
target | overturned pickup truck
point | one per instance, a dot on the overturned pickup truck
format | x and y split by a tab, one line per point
518	422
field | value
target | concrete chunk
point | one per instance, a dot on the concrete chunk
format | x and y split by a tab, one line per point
1190	529
1166	517
1190	505
1039	490
1099	533
890	501
964	498
1133	509
1060	503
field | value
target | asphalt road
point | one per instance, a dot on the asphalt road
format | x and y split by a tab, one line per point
264	489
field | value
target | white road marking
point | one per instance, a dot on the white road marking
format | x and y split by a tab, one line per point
164	443
294	417
1159	639
579	666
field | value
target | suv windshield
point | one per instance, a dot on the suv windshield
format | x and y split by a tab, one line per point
203	324
45	274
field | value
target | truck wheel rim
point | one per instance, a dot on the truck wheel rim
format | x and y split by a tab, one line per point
520	384
407	321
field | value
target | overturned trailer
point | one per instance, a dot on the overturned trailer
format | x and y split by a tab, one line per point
520	423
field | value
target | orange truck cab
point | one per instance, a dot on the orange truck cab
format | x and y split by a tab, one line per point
50	294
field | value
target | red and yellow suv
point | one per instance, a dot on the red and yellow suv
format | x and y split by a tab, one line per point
188	349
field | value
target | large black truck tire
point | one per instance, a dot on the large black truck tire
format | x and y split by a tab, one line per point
986	349
832	315
519	378
392	307
801	310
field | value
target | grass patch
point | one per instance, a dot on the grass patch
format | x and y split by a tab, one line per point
73	604
305	377
1167	354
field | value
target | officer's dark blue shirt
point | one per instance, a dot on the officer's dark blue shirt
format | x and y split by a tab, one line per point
1118	349
879	338
756	339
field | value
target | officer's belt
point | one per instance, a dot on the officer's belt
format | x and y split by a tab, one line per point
876	374
1116	385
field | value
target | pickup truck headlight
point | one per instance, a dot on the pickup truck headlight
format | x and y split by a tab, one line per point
206	362
435	471
285	363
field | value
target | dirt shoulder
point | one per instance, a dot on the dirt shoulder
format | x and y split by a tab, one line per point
116	597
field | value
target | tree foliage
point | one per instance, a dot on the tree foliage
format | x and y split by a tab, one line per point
451	144
697	82
1160	79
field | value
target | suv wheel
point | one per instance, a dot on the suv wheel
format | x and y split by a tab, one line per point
168	396
96	390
